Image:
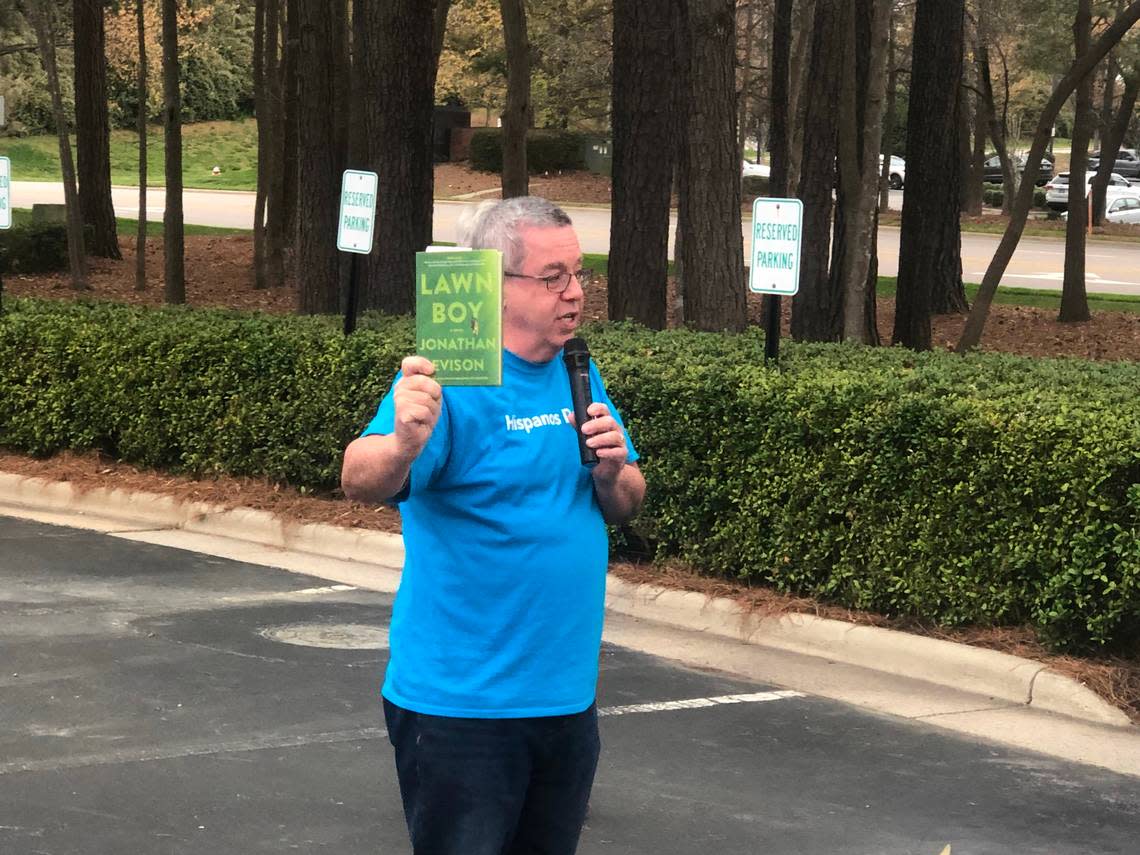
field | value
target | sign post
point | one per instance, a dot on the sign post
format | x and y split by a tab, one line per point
355	227
774	265
5	214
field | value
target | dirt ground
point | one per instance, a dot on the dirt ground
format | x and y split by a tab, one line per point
219	275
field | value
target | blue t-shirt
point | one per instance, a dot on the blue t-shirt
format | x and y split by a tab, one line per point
499	610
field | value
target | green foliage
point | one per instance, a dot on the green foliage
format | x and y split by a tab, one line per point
755	185
993	196
988	490
546	151
193	391
34	248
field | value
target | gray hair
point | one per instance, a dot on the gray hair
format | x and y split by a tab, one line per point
496	225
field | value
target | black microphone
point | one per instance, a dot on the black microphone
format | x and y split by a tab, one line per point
576	355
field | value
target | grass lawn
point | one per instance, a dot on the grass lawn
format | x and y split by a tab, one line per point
1037	298
229	145
126	227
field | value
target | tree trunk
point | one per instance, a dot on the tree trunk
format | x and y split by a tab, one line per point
932	164
888	122
713	250
173	233
860	159
263	142
1074	300
996	123
397	53
798	82
273	90
319	160
41	15
1113	139
643	56
291	118
975	324
140	239
516	117
682	94
745	79
93	130
1108	96
817	308
438	31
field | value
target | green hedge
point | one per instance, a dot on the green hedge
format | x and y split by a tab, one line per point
993	195
34	248
546	151
988	490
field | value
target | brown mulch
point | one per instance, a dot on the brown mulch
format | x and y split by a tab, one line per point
577	187
219	276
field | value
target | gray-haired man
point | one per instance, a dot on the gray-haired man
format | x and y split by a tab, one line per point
489	694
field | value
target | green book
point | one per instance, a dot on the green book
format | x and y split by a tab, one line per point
459	315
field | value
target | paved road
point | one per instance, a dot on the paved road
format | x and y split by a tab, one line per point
155	700
1112	268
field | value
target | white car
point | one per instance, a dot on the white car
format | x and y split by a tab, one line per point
759	170
1123	209
1057	190
897	176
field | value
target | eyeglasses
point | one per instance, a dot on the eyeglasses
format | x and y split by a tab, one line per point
558	282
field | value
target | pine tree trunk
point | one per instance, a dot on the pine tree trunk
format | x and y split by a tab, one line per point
798	81
930	239
516	117
397	52
173	232
860	157
291	119
263	142
319	161
1074	300
140	238
438	31
817	308
888	124
93	130
642	163
713	250
41	15
273	86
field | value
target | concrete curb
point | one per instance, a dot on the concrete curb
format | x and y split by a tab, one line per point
986	672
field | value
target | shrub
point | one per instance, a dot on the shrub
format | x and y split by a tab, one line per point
546	151
986	490
35	248
755	185
993	196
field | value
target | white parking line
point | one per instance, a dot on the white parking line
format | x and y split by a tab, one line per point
701	703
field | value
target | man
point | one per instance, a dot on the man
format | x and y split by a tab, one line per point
489	693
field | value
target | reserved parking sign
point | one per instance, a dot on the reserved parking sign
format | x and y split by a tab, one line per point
775	259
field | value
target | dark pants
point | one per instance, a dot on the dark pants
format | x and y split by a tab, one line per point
480	786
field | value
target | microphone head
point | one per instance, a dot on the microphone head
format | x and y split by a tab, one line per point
575	349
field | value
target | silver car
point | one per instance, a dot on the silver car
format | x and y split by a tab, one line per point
1057	190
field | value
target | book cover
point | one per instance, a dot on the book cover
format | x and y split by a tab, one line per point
459	315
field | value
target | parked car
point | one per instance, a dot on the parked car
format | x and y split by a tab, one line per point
991	169
1057	190
1127	163
761	170
897	177
1123	209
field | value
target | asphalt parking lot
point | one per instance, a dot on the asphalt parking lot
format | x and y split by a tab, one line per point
154	700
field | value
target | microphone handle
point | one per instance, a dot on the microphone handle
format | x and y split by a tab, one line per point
581	398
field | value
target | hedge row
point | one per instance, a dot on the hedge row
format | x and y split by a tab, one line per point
546	151
33	248
988	490
993	195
